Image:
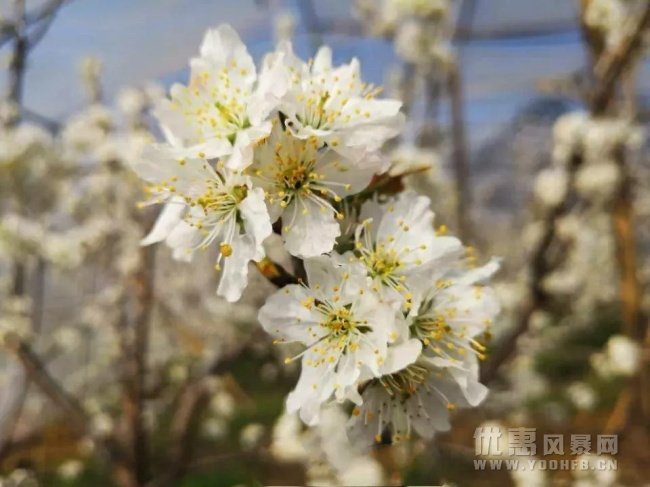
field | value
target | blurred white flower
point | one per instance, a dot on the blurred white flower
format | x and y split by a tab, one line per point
534	477
215	428
408	158
551	186
287	444
251	436
131	101
621	357
598	182
581	395
223	404
102	424
594	475
70	469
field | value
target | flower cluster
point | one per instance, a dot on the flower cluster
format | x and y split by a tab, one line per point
391	313
394	325
247	149
419	29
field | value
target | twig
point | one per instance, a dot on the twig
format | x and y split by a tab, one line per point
604	90
624	236
275	273
608	71
459	156
538	269
15	404
190	406
73	413
9	30
185	422
134	393
38	374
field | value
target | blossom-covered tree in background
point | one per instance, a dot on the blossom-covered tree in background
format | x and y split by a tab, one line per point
306	316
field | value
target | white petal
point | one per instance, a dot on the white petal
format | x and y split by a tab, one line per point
234	276
171	214
242	152
184	239
256	219
223	44
285	316
401	355
481	274
312	230
322	60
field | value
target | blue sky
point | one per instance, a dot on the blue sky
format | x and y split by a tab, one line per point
140	40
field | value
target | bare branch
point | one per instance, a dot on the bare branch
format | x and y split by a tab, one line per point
38	374
10	30
538	269
609	70
604	92
275	273
459	156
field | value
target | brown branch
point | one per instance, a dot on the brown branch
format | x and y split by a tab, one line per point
39	375
72	411
625	239
185	423
17	62
14	410
9	30
609	71
459	156
538	269
615	65
275	273
633	398
135	393
191	403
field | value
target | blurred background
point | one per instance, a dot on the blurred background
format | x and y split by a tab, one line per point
526	127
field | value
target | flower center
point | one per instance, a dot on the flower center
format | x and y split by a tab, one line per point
215	105
216	201
340	322
316	114
433	329
406	382
383	264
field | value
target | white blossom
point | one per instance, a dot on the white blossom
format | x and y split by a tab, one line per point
70	469
251	435
224	110
334	105
399	247
344	326
207	203
621	357
415	393
303	182
551	186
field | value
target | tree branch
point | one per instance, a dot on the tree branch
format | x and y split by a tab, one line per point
609	70
604	91
459	155
275	273
39	375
